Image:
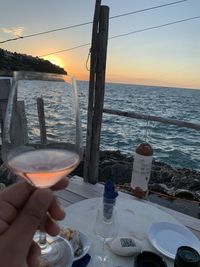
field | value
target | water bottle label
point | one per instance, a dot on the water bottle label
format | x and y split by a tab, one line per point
141	171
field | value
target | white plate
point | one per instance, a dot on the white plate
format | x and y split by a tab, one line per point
86	246
168	237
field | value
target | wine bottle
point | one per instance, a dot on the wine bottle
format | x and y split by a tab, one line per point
141	169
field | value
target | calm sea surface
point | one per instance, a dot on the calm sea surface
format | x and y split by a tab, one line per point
177	146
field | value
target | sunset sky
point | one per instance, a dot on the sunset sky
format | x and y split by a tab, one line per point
168	56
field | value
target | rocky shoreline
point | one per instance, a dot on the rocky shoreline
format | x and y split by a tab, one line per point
181	183
177	182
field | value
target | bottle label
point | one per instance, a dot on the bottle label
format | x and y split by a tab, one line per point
141	171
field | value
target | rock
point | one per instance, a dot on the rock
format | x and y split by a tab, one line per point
182	193
162	188
195	185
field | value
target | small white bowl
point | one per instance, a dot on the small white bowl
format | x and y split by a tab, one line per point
86	246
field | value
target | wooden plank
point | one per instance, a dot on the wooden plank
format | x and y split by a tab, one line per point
140	116
71	197
64	203
88	190
197	233
84	190
187	220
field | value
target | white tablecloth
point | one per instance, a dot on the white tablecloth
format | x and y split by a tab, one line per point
134	220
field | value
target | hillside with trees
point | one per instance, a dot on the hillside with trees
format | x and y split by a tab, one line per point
10	61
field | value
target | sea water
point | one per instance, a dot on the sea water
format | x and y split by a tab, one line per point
177	146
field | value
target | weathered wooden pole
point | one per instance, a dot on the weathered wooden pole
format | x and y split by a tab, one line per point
19	133
93	61
96	92
41	118
5	87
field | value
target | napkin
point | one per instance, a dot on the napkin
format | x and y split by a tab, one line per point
109	199
83	262
109	191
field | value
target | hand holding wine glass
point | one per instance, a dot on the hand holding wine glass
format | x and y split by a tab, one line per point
43	149
16	237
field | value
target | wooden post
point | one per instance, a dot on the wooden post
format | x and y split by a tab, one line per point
95	111
93	61
5	87
22	121
19	132
41	117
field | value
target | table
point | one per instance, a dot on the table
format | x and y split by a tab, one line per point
134	220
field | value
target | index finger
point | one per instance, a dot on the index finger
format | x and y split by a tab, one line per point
18	193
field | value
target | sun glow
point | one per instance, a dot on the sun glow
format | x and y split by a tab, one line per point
55	60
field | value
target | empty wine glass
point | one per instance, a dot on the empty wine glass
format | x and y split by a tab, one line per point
42	141
106	229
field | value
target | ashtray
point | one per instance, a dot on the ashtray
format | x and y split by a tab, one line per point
149	259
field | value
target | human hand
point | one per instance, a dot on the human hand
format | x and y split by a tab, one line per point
22	209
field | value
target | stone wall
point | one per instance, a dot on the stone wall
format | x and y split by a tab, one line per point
177	182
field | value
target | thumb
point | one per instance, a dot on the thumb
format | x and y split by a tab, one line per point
27	222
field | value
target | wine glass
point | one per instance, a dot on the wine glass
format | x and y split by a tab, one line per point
42	140
106	229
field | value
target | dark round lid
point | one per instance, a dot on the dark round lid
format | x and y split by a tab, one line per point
144	149
149	259
187	257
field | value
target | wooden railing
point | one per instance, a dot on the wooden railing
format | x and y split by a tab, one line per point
140	116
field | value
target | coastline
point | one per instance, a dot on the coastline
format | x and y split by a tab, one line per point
175	188
176	182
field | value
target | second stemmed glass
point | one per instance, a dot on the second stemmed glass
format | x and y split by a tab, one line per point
106	230
42	140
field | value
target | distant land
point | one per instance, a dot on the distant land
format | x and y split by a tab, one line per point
10	62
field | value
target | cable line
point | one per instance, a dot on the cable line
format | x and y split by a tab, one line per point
64	50
125	34
46	32
90	22
147	9
155	27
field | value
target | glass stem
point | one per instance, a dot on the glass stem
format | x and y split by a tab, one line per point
42	242
103	249
42	239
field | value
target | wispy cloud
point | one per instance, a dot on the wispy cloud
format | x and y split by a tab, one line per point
15	31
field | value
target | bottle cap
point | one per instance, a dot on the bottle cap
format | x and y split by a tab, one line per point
187	257
144	149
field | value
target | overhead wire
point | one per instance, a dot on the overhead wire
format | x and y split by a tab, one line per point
155	27
125	34
90	22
